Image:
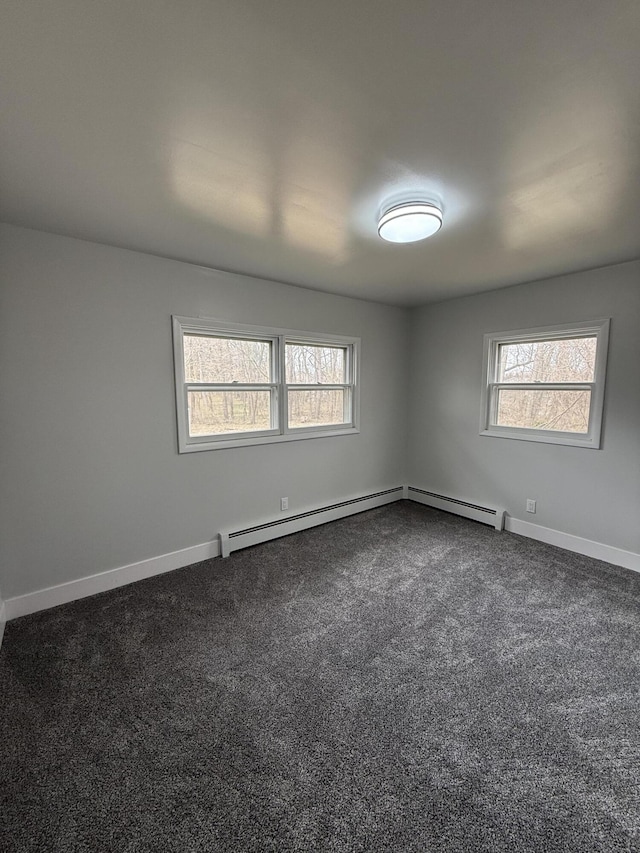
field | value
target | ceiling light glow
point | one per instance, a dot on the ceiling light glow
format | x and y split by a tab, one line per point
406	223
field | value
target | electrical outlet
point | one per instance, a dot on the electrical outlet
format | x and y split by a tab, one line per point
531	505
284	503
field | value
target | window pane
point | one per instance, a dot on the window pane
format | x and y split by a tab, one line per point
570	360
308	364
219	360
566	411
316	408
219	412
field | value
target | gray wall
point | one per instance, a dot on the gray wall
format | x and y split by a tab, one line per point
590	493
91	478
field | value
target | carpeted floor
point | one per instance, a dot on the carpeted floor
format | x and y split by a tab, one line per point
401	680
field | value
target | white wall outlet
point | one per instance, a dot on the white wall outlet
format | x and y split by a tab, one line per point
531	505
284	503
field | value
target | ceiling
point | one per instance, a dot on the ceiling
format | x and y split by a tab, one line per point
264	137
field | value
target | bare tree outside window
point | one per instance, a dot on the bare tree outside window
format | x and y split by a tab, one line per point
548	362
245	385
225	360
222	360
546	385
313	365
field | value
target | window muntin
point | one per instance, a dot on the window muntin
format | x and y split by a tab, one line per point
546	384
238	385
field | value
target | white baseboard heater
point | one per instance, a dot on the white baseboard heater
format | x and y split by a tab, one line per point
485	514
237	539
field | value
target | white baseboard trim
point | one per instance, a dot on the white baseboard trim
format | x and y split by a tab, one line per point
44	599
598	550
52	596
3	619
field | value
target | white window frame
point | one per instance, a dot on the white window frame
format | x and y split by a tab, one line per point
280	431
490	386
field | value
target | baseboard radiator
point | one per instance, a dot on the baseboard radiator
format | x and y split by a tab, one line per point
237	539
485	514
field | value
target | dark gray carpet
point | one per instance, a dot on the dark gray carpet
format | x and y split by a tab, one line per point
402	680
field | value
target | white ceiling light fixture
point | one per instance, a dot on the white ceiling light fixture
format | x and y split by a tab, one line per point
409	222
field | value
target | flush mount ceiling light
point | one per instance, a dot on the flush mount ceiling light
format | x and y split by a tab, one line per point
406	223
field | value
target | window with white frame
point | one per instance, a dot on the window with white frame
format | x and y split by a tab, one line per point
241	385
546	384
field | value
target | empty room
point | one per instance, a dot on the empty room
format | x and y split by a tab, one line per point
320	426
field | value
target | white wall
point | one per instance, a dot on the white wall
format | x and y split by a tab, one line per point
594	494
91	477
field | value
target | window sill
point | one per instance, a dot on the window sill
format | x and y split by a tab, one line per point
571	440
223	444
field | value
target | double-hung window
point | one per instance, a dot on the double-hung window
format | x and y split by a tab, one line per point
319	393
240	385
546	384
